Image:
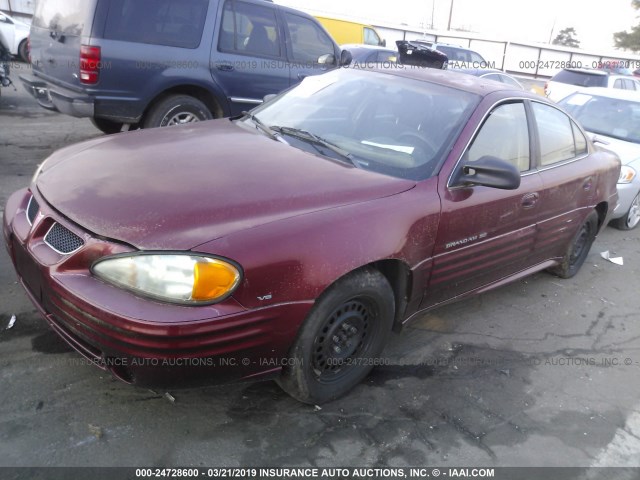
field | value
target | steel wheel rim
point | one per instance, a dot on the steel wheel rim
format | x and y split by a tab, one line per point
633	217
181	118
345	334
580	243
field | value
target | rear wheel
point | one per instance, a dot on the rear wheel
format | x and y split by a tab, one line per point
23	50
631	219
578	248
341	338
176	110
107	126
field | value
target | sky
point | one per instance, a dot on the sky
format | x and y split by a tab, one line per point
595	21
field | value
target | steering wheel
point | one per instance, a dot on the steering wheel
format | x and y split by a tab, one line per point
418	141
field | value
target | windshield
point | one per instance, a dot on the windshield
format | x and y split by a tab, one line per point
611	117
385	123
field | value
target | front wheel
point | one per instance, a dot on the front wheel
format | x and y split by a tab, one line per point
340	340
578	248
107	126
631	219
176	110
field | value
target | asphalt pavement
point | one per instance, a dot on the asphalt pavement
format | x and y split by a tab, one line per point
543	371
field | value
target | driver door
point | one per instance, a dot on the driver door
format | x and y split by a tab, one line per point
487	234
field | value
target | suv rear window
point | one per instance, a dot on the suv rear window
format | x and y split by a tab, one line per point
157	22
64	16
581	79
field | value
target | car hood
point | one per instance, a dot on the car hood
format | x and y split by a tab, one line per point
627	151
179	187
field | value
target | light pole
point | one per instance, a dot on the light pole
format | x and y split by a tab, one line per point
450	15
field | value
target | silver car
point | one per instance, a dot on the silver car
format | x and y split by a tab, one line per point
613	118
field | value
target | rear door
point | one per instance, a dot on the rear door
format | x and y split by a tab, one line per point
568	195
248	60
487	234
59	28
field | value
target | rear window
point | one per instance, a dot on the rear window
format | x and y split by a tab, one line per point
581	79
64	16
157	22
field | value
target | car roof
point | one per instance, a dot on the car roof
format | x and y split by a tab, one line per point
453	79
587	71
480	71
615	93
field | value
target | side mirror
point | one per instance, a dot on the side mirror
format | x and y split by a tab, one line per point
345	58
383	43
489	171
327	59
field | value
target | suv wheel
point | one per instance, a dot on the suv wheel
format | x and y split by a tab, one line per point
176	110
107	126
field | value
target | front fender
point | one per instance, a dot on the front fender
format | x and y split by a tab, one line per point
296	259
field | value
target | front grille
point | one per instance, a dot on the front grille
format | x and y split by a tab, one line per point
62	240
32	210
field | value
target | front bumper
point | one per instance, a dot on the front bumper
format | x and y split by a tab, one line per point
626	194
139	340
58	98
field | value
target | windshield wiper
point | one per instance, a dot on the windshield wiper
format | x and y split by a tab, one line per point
270	132
313	138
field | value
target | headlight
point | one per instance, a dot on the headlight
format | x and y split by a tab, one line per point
627	174
177	278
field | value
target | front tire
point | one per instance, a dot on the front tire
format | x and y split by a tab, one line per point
578	248
341	338
107	126
631	219
176	110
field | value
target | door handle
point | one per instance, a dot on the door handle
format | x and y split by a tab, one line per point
225	67
302	76
588	183
530	200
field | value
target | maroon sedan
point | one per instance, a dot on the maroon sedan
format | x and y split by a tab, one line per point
290	242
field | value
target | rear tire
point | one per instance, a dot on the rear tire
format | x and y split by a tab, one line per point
578	248
176	110
23	50
631	219
340	340
107	126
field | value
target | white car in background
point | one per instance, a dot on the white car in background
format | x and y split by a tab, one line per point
16	35
613	117
569	80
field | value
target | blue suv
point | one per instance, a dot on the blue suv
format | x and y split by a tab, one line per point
153	63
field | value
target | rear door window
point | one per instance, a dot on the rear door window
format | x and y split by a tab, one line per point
581	79
560	140
157	22
64	16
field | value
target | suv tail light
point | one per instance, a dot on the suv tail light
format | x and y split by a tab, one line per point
89	64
